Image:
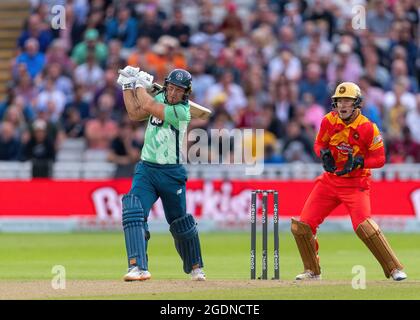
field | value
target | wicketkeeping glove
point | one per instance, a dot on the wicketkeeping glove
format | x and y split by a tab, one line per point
328	161
351	164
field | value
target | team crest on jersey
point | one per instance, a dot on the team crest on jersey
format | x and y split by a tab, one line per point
356	136
345	148
156	121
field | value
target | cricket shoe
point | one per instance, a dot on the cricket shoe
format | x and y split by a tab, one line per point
135	274
198	274
308	275
398	275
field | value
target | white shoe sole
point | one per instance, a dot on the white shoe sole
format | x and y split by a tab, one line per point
315	278
136	278
198	279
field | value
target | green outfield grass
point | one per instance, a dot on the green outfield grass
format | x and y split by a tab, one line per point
27	258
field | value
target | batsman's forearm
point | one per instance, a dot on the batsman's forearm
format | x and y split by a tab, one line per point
148	104
132	106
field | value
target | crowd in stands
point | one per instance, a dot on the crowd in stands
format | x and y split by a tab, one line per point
257	64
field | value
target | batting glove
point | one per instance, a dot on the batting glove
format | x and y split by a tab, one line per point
126	83
131	71
144	80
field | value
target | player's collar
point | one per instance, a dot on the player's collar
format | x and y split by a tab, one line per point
353	124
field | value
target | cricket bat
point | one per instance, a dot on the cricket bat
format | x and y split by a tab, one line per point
197	111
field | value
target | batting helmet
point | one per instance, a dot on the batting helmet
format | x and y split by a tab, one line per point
180	78
348	90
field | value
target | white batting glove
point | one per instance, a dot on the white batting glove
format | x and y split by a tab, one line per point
126	83
131	71
127	77
144	80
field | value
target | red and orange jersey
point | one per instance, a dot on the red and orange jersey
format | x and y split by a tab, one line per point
361	137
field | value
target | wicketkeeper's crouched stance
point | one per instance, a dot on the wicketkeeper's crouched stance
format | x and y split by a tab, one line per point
159	173
349	145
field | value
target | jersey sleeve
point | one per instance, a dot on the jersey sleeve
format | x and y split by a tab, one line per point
377	141
177	114
322	138
376	151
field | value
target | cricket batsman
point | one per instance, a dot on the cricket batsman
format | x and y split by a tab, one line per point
159	173
349	145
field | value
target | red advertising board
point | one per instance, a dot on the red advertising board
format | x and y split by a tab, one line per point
210	199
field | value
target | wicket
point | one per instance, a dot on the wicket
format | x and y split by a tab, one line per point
264	221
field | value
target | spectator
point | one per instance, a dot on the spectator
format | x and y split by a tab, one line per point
73	125
403	149
78	103
319	13
90	44
413	121
313	112
210	36
125	150
57	53
15	116
52	99
231	26
32	58
165	57
314	84
236	98
179	29
149	25
122	27
372	68
111	87
284	106
100	131
282	54
202	81
26	90
62	83
9	143
89	74
399	95
379	20
285	63
297	146
344	65
399	70
142	55
40	150
116	55
35	30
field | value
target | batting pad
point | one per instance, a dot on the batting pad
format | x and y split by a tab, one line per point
133	222
187	242
305	242
370	233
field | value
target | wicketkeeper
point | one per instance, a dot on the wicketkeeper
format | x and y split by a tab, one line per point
159	174
349	146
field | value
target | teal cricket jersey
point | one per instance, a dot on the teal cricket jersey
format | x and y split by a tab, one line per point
163	139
